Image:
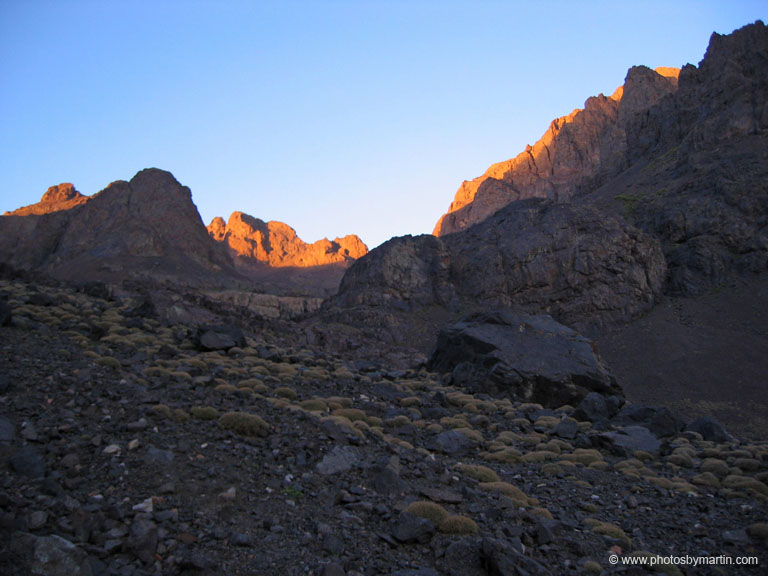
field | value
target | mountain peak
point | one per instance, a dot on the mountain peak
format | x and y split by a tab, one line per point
57	198
251	240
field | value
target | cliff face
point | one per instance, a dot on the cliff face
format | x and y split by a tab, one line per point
57	198
661	188
577	150
251	240
147	224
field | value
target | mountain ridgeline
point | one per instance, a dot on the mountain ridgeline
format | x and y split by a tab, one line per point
661	188
149	227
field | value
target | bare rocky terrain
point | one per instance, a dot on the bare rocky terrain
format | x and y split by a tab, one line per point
134	447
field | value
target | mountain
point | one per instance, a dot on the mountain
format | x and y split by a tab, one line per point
641	221
578	150
661	188
252	240
149	227
56	198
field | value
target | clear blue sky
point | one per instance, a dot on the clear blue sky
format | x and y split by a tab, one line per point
335	117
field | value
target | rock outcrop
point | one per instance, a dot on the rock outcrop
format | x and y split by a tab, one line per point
573	262
577	150
56	198
523	357
149	224
251	240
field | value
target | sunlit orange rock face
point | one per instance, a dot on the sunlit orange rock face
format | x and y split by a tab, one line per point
252	240
574	153
57	198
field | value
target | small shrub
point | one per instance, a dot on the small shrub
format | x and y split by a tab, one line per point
244	424
286	392
180	415
510	491
204	413
162	410
410	401
350	414
478	472
505	455
109	362
458	526
429	510
614	532
314	405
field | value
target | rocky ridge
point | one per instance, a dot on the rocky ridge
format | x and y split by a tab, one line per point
56	198
276	244
577	150
667	195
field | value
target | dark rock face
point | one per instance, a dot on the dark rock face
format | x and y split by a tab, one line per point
572	262
220	337
577	152
404	272
149	223
522	356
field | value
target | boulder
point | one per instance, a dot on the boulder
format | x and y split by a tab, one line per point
220	337
628	440
710	429
49	556
521	356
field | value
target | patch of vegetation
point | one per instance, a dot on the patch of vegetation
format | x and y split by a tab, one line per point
458	526
204	412
478	472
109	362
429	510
286	392
244	424
510	491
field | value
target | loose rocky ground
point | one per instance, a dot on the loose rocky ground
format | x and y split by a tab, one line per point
128	449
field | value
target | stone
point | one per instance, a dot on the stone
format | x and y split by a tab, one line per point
505	560
450	442
37	519
710	429
595	408
386	476
411	529
220	337
27	461
333	569
567	428
49	556
339	459
628	440
143	538
660	421
521	356
7	432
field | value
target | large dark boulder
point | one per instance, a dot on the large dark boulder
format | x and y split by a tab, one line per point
220	338
532	358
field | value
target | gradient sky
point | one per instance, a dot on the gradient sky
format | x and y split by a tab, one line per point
336	117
